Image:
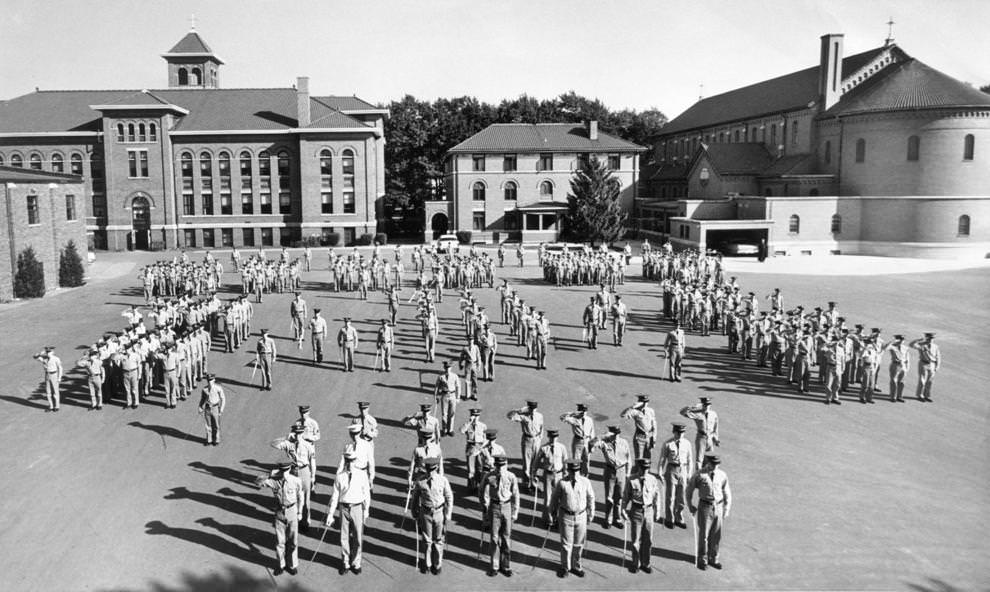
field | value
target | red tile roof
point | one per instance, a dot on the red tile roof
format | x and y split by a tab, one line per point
191	43
541	137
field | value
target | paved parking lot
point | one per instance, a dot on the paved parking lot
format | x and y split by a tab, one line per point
854	497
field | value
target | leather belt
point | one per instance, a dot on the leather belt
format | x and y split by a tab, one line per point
578	513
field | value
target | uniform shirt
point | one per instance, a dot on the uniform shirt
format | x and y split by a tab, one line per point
583	427
675	453
572	498
288	491
552	457
433	493
474	432
428	422
532	423
500	487
365	456
369	426
420	454
52	365
706	422
311	429
712	487
645	419
170	361
620	311
899	355
448	384
212	396
93	366
385	336
675	340
487	454
266	346
347	336
615	450
300	452
928	353
318	326
131	361
642	490
351	487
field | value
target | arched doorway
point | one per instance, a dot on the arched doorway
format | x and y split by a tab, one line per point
141	222
439	224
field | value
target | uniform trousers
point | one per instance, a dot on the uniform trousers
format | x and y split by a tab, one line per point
306	478
95	390
386	353
265	361
447	403
432	535
833	382
615	480
618	330
541	352
500	519
286	537
897	374
709	531
471	456
487	363
550	480
579	451
347	350
52	390
530	446
641	533
171	386
211	413
674	484
317	339
675	357
926	374
702	444
641	445
867	384
573	536
131	386
351	534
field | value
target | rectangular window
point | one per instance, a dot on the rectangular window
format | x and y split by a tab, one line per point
478	220
70	207
137	161
348	202
34	217
209	239
267	239
189	237
226	205
132	163
99	205
326	203
188	209
247	203
348	236
207	204
284	203
546	162
478	162
614	162
511	220
509	163
226	237
794	133
247	235
266	203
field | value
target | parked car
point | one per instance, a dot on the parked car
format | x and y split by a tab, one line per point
739	247
447	243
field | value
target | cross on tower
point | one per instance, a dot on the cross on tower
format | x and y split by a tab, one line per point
890	31
192	22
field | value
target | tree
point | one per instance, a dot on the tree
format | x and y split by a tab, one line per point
70	267
29	281
986	89
594	213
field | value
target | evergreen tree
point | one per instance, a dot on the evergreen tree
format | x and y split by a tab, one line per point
29	281
70	267
594	213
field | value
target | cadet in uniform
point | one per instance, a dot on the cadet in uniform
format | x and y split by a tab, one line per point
369	425
474	438
302	455
645	419
531	422
500	507
426	449
900	363
489	347
583	428
640	499
929	360
352	493
551	460
384	343
266	356
619	314
364	452
676	462
591	319
706	421
211	405
347	340
617	456
297	312
573	502
433	506
288	499
469	363
446	392
714	503
423	419
94	378
318	335
675	352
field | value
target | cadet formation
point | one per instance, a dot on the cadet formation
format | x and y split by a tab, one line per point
652	472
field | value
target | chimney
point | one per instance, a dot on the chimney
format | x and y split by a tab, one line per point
830	71
302	101
593	129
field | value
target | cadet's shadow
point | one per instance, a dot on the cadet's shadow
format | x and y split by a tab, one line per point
400	387
165	431
27	402
218	501
211	541
614	373
225	473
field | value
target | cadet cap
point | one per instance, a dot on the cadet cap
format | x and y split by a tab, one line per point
643	398
491	434
304	409
363	404
898	336
582	407
930	335
574	465
553	433
211	377
475	411
532	404
500	459
713	458
705	400
642	462
678	426
297	429
614	430
424	406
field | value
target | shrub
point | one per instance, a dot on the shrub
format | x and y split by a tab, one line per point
381	238
70	267
464	237
331	239
29	281
364	240
312	240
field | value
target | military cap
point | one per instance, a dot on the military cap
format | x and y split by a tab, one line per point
705	400
858	326
713	458
304	409
431	462
211	376
643	398
617	297
898	336
642	462
264	331
355	428
384	321
500	459
592	299
831	302
678	426
875	330
49	348
841	319
845	331
582	407
574	465
317	309
446	364
298	293
347	319
297	428
930	335
818	308
475	411
491	433
553	433
363	404
532	404
612	429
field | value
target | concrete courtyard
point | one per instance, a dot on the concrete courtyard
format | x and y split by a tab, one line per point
872	497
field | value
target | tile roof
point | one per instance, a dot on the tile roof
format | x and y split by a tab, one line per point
209	109
909	85
784	93
667	172
25	175
142	97
797	164
344	103
191	43
541	137
737	159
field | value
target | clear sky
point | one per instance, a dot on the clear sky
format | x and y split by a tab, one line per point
638	54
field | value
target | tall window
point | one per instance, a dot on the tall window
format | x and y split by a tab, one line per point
860	150
773	134
478	162
836	224
131	136
35	162
247	198
120	132
267	238
511	190
614	162
2	163
75	164
152	132
186	172
16	160
209	238
347	168
226	237
478	191
794	224
546	190
70	207
265	178
247	237
737	136
546	162
509	163
34	217
326	182
142	133
98	175
189	237
969	146
794	132
828	151
183	77
58	165
284	195
137	162
226	205
478	220
582	160
196	77
206	182
963	225
914	144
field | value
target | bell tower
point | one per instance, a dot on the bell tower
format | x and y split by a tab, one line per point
192	64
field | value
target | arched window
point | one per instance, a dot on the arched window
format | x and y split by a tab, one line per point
142	133
183	77
16	160
186	164
1	160
205	164
120	132
828	151
75	164
511	191
35	162
152	132
773	134
860	150
963	225
794	224
283	163
264	163
58	166
478	191
130	132
836	224
347	168
914	146
196	77
546	189
245	158
96	171
968	147
326	181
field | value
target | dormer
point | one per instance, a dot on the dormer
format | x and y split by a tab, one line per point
192	64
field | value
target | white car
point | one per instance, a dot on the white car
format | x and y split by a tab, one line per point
446	243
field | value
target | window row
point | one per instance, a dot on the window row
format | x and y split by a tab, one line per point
767	134
194	77
544	163
835	227
225	205
510	191
912	152
130	133
56	162
34	210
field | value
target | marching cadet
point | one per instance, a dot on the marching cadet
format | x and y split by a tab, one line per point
469	362
431	327
619	314
551	460
706	422
211	404
531	422
542	340
423	419
266	355
900	363
573	502
804	349
352	493
288	491
714	504
297	313
311	429
676	463
835	360
393	302
870	354
485	462
500	508
446	392
604	300
318	335
426	448
364	453
384	343
433	505
591	319
520	253
302	455
929	361
645	419
474	438
640	499
488	343
617	456
369	425
583	428
675	352
347	340
93	366
170	366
